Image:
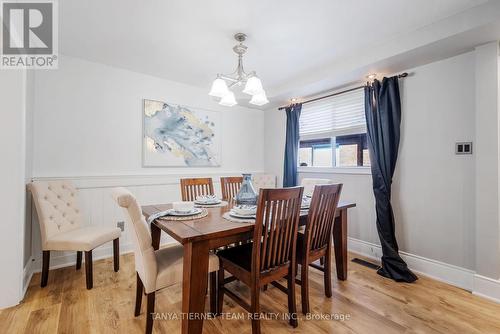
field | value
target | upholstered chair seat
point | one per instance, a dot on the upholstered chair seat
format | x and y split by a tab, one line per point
170	264
62	228
85	238
156	269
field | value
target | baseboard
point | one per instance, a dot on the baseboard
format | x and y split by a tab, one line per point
27	275
444	272
487	288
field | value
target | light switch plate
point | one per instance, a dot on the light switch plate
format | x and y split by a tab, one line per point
463	148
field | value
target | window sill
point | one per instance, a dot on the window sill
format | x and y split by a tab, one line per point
336	170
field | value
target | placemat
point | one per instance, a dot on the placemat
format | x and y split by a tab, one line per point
202	214
221	204
227	216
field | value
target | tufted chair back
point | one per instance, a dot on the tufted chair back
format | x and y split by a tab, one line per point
310	183
56	204
263	181
145	259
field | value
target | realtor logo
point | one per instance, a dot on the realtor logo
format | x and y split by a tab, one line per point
29	34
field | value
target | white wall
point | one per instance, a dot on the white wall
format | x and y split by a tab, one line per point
433	189
487	164
88	121
12	189
88	129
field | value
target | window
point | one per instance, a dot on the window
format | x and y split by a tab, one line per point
333	132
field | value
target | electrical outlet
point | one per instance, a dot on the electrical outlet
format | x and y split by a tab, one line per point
463	148
121	225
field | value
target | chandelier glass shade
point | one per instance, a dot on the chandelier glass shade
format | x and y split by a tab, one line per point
224	82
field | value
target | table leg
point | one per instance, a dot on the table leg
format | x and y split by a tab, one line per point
194	286
155	236
340	244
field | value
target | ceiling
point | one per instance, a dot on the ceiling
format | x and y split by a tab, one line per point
190	41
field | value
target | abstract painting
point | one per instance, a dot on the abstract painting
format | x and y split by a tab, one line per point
176	135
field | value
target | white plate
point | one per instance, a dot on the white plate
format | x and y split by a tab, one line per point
208	202
235	215
245	210
193	212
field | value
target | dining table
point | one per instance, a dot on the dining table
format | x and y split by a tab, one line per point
201	236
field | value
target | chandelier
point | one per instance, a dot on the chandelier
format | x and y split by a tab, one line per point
224	82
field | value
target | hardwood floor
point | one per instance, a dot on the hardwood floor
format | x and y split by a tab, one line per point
372	303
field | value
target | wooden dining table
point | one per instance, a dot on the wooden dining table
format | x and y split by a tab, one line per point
200	236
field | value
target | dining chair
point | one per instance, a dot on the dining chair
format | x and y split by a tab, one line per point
263	181
310	183
269	257
62	229
316	241
193	187
158	269
230	186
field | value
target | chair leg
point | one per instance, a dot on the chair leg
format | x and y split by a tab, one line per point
304	288
88	269
78	260
116	254
220	290
151	310
292	306
327	272
138	296
213	292
322	261
45	268
255	308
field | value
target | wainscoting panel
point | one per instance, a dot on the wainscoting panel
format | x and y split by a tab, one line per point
100	209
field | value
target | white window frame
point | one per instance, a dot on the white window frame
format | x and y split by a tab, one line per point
361	170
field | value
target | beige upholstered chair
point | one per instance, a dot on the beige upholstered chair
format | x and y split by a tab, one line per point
62	229
155	269
309	184
260	181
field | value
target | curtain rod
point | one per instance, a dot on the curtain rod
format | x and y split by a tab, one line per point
402	75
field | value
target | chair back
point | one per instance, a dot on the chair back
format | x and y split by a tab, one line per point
193	187
230	186
276	224
57	207
321	216
144	254
263	181
310	183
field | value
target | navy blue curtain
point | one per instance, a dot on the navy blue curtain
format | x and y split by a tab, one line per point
383	119
290	178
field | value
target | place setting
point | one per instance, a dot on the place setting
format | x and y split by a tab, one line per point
306	203
242	213
209	201
180	211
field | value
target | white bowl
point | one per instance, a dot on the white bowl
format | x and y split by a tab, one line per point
183	207
207	199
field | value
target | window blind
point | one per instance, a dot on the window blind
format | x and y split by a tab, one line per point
337	115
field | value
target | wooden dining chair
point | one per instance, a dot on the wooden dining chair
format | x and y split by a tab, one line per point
230	186
269	257
193	187
316	241
158	269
